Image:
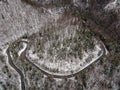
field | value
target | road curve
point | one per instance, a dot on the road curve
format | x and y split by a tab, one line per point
17	69
69	75
43	71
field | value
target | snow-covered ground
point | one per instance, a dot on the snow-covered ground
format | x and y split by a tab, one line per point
4	77
66	67
18	19
115	5
24	47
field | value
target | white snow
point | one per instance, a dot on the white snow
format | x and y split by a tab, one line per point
12	69
24	47
66	66
111	5
33	56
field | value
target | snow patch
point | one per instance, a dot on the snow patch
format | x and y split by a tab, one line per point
23	49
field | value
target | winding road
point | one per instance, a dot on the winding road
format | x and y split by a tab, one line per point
23	51
17	69
68	75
